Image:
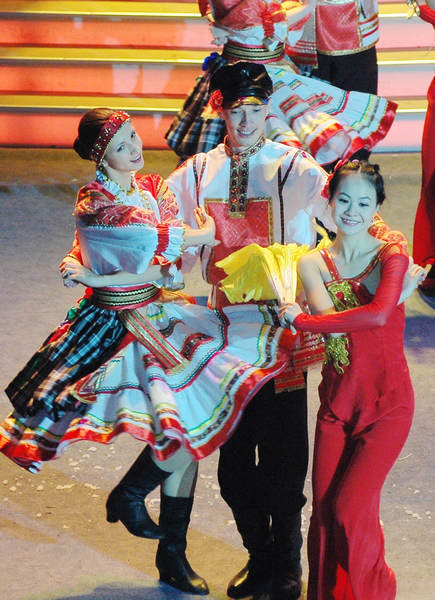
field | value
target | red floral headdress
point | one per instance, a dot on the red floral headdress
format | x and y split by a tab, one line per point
106	133
338	165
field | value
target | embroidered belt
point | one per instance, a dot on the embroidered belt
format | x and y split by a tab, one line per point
121	298
232	51
153	340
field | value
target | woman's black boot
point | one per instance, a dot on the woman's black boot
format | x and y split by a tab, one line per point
126	502
171	560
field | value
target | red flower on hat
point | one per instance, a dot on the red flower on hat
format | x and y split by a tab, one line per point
216	100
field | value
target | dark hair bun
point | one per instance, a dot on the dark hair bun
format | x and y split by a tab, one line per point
81	150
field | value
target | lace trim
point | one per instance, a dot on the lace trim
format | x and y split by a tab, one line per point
129	197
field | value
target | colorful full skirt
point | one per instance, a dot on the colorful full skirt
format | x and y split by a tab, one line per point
181	376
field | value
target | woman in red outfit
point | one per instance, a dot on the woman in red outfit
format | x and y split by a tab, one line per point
424	225
366	394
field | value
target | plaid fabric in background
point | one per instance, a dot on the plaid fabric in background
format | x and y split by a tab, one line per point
189	132
77	347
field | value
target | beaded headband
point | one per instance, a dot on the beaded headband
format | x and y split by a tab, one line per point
106	133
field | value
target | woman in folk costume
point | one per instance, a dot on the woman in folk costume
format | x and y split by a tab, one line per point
366	396
135	356
424	225
329	122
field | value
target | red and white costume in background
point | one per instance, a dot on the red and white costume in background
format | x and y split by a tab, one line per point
366	409
424	226
182	373
270	193
327	121
336	27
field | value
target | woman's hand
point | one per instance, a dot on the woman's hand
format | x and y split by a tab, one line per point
206	224
413	277
288	313
74	272
67	261
205	234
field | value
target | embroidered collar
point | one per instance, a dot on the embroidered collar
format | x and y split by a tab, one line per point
131	197
246	153
239	176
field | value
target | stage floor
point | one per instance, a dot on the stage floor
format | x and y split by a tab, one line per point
54	541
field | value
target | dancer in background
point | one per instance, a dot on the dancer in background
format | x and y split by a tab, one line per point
424	225
346	34
366	397
329	122
136	357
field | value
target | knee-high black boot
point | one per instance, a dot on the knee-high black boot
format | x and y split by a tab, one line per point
287	570
256	576
171	560
126	502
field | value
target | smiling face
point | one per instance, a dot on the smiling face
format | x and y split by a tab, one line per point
354	203
245	124
124	152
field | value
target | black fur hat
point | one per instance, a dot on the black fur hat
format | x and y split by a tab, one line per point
242	80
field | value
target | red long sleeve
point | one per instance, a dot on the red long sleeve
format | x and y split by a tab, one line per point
427	14
374	314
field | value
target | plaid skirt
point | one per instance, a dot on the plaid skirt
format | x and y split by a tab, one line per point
88	336
189	132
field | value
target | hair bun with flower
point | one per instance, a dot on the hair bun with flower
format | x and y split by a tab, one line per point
337	166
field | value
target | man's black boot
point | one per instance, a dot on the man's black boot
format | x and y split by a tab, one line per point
256	575
287	572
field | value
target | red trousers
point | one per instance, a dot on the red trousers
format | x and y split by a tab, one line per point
345	539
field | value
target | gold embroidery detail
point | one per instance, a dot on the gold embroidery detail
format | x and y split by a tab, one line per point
343	296
345	288
337	352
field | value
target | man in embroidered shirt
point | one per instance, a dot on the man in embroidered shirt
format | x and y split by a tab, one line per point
263	192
